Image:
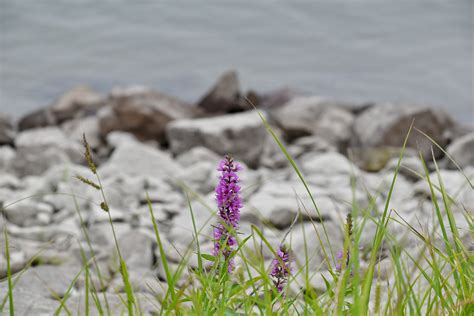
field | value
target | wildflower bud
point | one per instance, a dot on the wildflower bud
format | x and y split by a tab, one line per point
281	268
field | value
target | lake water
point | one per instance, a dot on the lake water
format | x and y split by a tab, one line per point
419	51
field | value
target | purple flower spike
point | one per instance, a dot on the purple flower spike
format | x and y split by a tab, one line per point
229	204
281	268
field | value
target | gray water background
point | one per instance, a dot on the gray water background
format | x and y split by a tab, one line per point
366	50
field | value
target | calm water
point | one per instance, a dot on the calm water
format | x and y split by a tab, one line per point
418	51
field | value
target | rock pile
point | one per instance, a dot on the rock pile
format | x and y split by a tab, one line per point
145	141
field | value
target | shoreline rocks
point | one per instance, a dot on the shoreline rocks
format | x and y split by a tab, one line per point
78	102
147	144
143	113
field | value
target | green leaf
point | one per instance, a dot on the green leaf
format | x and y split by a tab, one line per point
208	257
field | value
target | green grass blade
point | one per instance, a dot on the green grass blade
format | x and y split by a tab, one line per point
9	274
164	261
379	233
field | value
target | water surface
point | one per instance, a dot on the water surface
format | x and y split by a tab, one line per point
417	51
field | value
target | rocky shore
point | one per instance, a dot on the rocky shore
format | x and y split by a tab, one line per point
146	141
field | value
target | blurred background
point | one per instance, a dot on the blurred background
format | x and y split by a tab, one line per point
416	51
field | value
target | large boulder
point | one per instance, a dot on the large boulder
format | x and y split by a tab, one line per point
142	112
328	119
224	96
39	149
79	101
462	151
242	135
277	98
387	125
6	130
88	126
131	158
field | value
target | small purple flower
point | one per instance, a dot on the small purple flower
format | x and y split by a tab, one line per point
229	204
281	268
340	257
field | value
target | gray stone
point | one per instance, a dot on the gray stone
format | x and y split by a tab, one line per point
144	113
115	301
328	119
7	157
137	249
272	156
204	215
40	149
161	191
18	259
29	213
242	135
79	101
279	203
9	181
462	151
47	280
410	167
197	155
136	279
89	126
277	98
374	159
316	281
43	233
162	212
380	184
456	184
326	164
133	158
224	96
29	302
309	244
101	235
6	130
310	144
199	177
387	125
54	252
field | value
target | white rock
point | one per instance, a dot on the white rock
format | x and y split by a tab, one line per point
29	213
242	135
328	119
7	156
462	151
280	203
89	126
388	124
310	144
309	244
133	158
196	155
40	149
327	164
